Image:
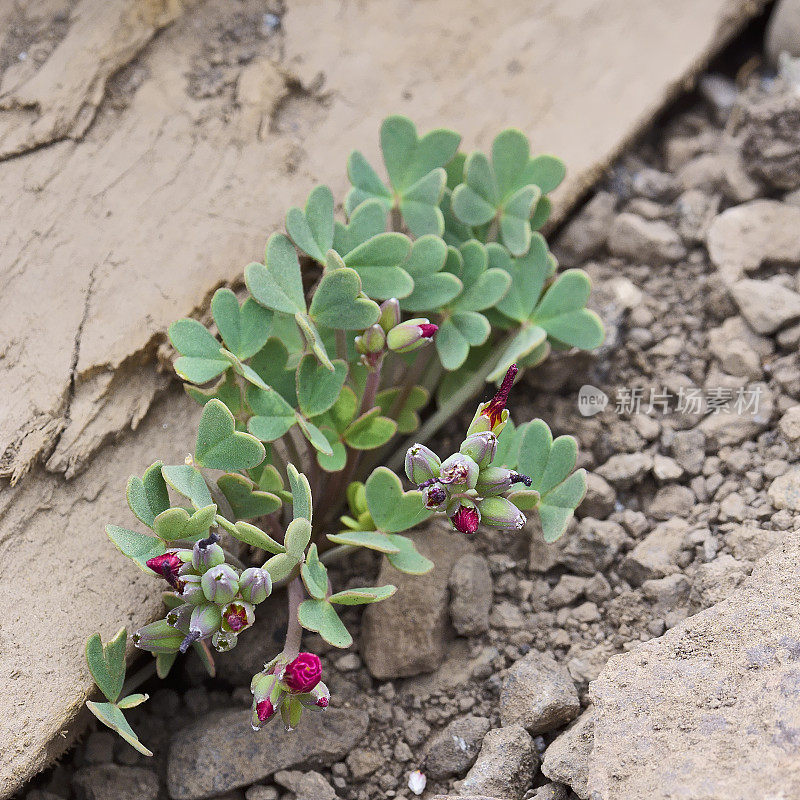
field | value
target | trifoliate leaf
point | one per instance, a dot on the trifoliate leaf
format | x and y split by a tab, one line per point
244	329
340	303
311	228
148	496
392	509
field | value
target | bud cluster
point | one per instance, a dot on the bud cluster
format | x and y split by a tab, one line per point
289	687
466	486
218	599
389	333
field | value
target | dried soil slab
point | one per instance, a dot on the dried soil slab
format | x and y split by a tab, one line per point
711	709
136	207
127	215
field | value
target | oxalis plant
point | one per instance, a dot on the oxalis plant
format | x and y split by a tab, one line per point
435	283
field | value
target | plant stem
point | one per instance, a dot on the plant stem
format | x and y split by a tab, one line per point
445	411
294	632
341	344
371	387
336	553
138	678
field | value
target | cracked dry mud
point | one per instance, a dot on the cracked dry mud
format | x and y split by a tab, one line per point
189	144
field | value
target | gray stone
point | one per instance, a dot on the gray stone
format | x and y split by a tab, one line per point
666	468
592	546
644	241
362	762
743	237
766	305
567	758
656	555
696	211
624	469
720	172
261	792
552	791
600	497
306	785
99	747
667	594
506	765
714	581
722	429
538	694
107	781
783	31
749	543
709	710
405	635
689	450
672	500
790	424
585	235
221	751
784	492
568	589
454	749
506	616
470	595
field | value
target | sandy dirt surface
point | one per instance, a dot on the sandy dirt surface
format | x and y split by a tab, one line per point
144	165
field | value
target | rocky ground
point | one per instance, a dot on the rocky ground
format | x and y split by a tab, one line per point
693	245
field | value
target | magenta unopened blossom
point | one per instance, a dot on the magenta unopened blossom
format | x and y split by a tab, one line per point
167	566
303	674
410	335
492	416
466	518
237	616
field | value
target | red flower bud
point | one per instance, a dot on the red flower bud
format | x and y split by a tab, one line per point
466	519
167	566
303	674
496	405
265	710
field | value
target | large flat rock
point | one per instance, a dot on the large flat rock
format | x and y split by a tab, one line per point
131	190
711	710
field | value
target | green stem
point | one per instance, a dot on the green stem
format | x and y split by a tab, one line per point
336	553
294	631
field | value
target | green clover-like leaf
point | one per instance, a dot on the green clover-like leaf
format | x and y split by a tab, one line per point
340	303
200	360
314	574
392	509
244	329
318	388
148	496
524	342
562	312
273	416
176	523
369	431
226	391
107	663
220	446
550	463
409	559
281	566
188	481
377	262
407	417
277	284
366	221
246	500
311	228
372	540
529	273
319	616
302	505
433	288
139	547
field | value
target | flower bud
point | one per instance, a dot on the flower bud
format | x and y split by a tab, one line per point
464	516
492	416
167	566
237	616
302	674
291	711
318	697
497	480
459	470
497	512
224	641
422	464
220	584
255	585
371	342
192	589
390	314
180	616
434	496
205	620
205	556
158	637
480	447
411	335
267	698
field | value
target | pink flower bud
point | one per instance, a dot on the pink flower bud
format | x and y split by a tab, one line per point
422	464
255	585
466	517
205	556
498	512
480	447
237	616
434	496
411	335
390	314
267	698
168	567
459	470
220	584
192	589
303	674
497	480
